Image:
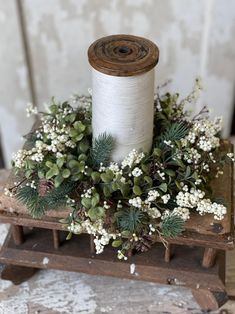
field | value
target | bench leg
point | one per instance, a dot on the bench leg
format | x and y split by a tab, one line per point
210	300
168	253
209	257
56	239
16	274
18	234
92	244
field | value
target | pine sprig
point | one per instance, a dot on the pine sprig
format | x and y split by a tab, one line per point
38	205
101	151
172	226
131	219
175	132
30	198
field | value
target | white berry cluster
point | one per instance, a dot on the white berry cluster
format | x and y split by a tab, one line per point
101	235
165	198
145	205
52	136
182	212
205	206
190	198
82	101
31	110
120	255
136	202
8	192
231	156
19	158
152	195
136	172
161	174
204	134
153	212
88	193
133	158
192	156
31	184
195	199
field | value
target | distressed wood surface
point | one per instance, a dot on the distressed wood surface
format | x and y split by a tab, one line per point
203	225
96	294
75	255
230	274
123	55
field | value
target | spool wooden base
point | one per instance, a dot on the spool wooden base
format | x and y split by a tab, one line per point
39	251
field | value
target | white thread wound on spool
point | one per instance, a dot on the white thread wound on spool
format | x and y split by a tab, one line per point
123	107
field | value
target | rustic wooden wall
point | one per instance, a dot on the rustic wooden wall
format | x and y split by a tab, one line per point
44	44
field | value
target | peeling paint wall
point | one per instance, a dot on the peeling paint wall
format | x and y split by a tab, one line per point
194	37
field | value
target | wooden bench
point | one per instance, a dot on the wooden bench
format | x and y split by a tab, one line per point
196	259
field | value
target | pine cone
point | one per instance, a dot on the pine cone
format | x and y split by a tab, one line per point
81	214
45	186
144	244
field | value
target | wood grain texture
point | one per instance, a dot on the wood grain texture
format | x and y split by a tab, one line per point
199	230
123	55
75	255
210	300
230	274
209	257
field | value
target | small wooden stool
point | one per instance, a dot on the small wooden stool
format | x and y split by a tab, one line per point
196	259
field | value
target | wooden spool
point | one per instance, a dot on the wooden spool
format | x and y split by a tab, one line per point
123	55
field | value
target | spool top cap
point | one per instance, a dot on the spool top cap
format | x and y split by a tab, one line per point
123	55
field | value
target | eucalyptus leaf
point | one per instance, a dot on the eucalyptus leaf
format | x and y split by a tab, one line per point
95	213
79	137
66	173
60	162
106	190
78	125
116	243
95	200
73	163
86	202
58	180
95	176
170	172
163	187
149	180
188	172
73	133
137	190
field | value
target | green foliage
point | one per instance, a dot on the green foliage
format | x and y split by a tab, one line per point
95	213
131	219
70	164
30	198
38	205
172	226
174	132
101	151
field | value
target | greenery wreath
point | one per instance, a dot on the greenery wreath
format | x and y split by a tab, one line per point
146	195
